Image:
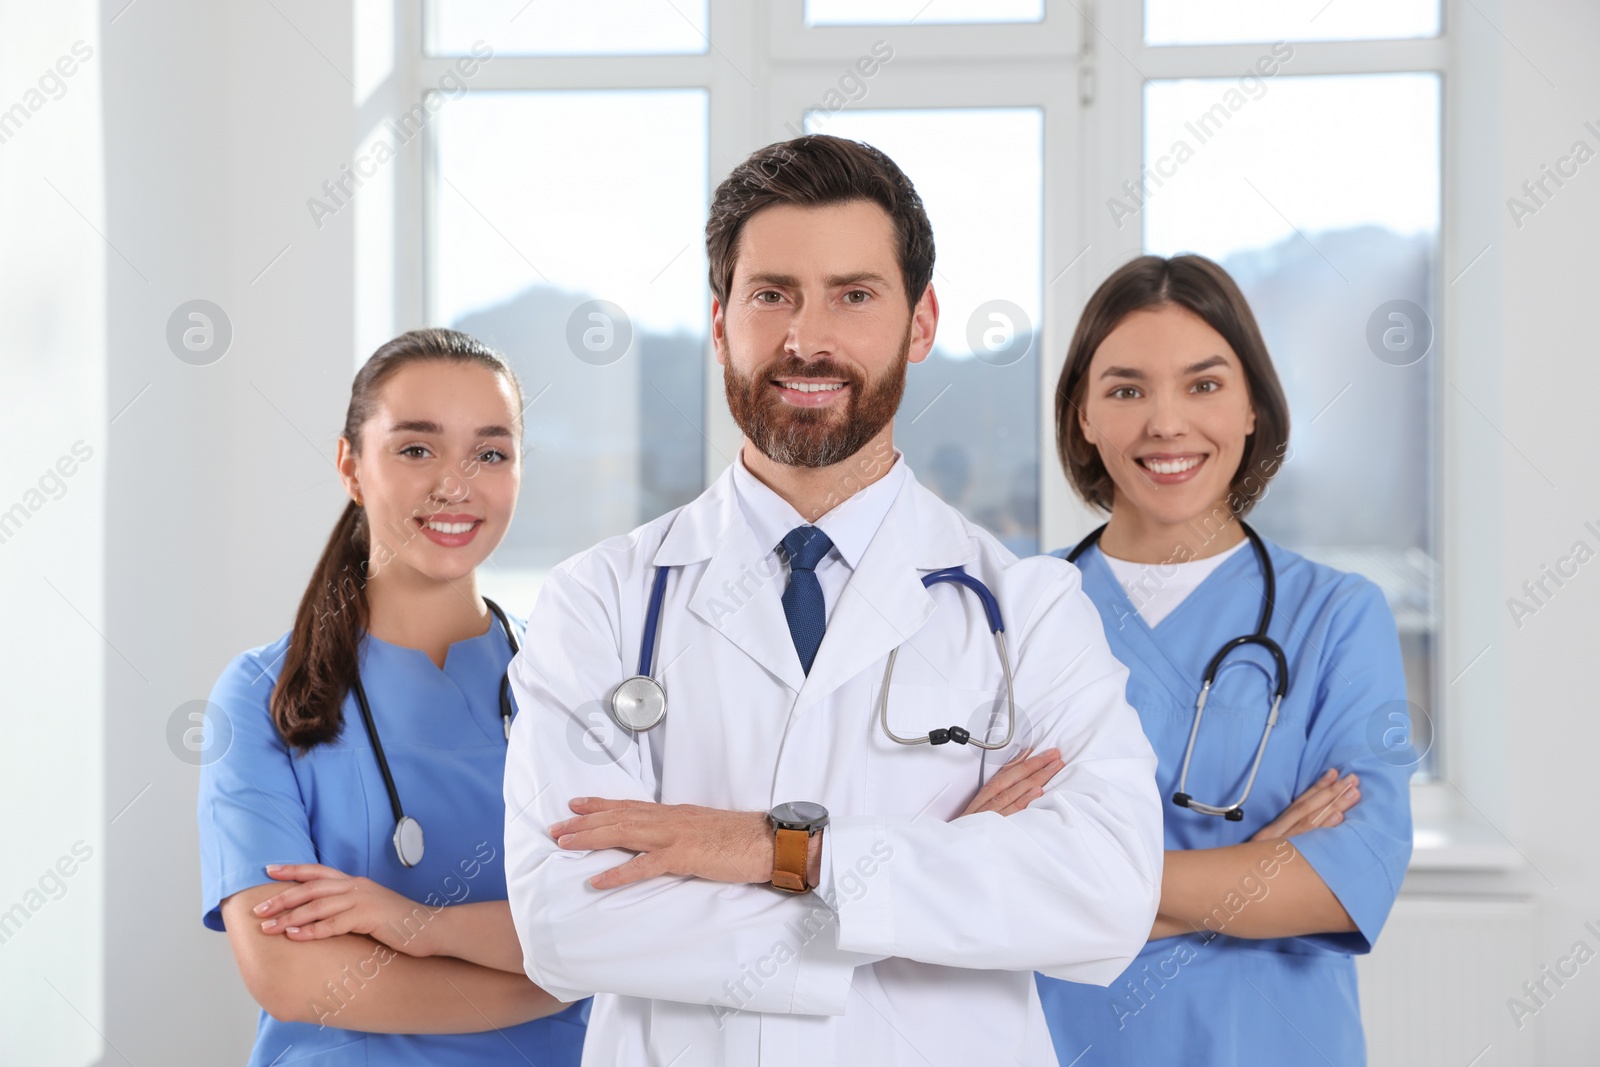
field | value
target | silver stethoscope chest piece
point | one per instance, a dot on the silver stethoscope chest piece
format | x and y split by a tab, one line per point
639	703
408	840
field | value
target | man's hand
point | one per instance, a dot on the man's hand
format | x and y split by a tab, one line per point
720	846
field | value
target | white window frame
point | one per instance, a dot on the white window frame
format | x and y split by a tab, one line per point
1054	37
763	67
1084	65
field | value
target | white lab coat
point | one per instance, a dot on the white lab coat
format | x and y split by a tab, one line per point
936	923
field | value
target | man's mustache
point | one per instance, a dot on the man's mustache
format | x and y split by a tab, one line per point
801	368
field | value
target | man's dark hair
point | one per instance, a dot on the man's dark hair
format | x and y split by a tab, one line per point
815	171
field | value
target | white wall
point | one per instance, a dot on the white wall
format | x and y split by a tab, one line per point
221	119
1518	401
1547	415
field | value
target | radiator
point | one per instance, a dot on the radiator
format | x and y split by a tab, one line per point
1434	989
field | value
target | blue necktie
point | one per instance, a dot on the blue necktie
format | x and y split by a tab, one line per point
803	605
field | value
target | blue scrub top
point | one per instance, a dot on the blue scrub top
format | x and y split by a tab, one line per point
261	803
1215	999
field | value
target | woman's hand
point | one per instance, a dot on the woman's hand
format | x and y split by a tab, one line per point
1017	784
324	902
1323	804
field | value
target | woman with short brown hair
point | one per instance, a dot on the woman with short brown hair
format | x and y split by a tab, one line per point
1259	676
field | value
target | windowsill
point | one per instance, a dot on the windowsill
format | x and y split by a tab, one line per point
1452	838
1459	845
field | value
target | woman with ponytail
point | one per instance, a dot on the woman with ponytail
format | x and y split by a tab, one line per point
380	712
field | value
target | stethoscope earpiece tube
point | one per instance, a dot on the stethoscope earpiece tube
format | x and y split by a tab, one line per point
958	734
383	762
1269	595
408	840
639	702
652	622
505	679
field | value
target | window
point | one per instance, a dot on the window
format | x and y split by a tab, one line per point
1319	188
564	196
548	245
925	12
71	414
969	421
560	213
545	28
1180	22
1321	197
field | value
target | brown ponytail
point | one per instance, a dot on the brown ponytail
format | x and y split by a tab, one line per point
321	663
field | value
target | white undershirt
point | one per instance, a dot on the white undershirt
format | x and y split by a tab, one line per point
1156	589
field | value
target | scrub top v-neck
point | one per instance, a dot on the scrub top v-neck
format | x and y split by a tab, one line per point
1207	999
262	803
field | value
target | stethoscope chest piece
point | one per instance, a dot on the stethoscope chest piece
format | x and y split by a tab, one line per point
408	840
638	703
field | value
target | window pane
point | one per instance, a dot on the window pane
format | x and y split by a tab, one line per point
1223	21
547	244
1321	196
969	422
921	12
555	28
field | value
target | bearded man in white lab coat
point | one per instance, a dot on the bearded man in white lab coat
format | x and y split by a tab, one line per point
902	924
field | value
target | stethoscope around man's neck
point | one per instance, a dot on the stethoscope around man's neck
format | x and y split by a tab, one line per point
408	831
1233	812
640	702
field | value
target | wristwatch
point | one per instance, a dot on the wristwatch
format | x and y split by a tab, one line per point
792	826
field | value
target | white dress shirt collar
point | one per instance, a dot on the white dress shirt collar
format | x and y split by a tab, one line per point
850	525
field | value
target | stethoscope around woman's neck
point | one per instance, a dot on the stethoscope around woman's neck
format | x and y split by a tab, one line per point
408	831
1235	811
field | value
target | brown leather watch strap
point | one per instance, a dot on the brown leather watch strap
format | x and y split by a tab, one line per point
791	849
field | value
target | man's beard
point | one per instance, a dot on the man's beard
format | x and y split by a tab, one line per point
814	437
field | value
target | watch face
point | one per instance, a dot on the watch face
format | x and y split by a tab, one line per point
799	815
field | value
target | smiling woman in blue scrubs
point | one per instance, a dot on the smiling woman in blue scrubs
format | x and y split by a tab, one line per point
354	956
1170	416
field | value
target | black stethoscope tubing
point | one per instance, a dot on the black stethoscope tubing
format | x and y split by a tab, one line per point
1232	812
402	821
